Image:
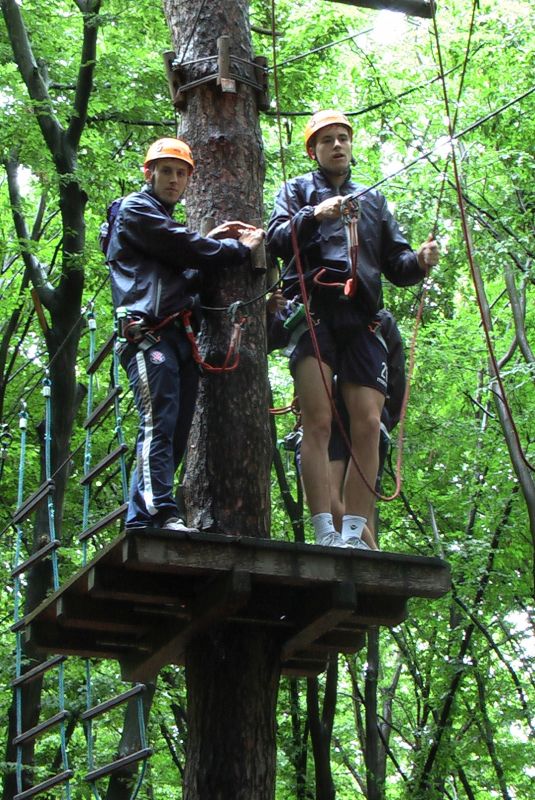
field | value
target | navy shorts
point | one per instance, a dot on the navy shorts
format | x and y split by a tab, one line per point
355	354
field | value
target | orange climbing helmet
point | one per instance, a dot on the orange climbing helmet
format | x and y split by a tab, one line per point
321	119
169	148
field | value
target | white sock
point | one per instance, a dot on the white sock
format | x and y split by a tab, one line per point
352	526
323	524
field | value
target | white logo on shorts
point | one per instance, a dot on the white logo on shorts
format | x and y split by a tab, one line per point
383	377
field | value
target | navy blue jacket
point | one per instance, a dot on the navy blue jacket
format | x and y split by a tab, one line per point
153	259
382	247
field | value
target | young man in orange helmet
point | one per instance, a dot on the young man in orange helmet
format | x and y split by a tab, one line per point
154	266
343	281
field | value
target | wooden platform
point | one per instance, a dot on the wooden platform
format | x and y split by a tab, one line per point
144	597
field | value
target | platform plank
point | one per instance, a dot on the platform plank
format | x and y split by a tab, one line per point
144	597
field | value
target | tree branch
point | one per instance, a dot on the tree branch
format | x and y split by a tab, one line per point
29	70
84	84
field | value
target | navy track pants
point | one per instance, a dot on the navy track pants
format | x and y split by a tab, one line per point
164	380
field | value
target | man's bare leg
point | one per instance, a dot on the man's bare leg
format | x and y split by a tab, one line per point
364	406
316	414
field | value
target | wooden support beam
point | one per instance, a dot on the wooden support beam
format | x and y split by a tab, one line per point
342	604
215	602
108	582
73	612
414	8
258	257
177	99
261	75
48	637
224	80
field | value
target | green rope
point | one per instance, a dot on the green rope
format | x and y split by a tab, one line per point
23	426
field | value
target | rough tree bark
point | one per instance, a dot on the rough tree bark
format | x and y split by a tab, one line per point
231	675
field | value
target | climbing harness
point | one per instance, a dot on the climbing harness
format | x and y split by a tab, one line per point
134	329
349	214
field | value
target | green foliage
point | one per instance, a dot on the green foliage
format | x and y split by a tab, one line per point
461	498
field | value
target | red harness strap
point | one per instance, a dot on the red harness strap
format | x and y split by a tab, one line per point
232	359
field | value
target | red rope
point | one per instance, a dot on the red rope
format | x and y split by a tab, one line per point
232	358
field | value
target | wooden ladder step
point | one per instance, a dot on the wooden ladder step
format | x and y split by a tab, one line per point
33	733
103	523
37	671
106	461
42	787
119	764
113	702
39	555
32	502
102	408
104	351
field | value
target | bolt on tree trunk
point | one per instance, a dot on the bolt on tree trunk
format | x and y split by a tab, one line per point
231	674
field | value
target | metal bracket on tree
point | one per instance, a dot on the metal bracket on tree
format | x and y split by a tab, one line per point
231	69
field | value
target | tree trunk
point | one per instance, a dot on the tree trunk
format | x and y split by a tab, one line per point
375	755
321	729
231	674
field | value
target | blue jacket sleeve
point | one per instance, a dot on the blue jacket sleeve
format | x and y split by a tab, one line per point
398	261
290	212
161	237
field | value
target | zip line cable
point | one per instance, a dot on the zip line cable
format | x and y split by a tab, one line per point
379	103
319	49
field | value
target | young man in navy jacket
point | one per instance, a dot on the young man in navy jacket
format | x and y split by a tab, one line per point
155	263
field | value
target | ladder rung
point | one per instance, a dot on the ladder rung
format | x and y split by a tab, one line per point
33	500
109	459
39	555
115	766
103	523
102	407
48	784
101	355
33	733
35	672
113	702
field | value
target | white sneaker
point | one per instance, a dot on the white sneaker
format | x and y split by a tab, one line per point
332	539
177	524
357	543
